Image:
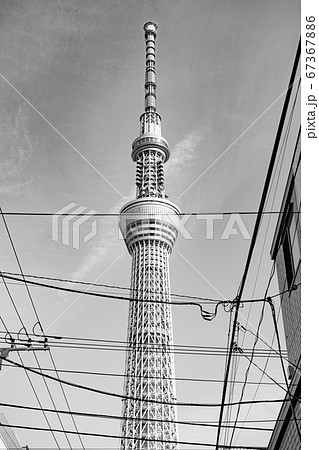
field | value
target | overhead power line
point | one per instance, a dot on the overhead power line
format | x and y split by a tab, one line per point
147	350
121	375
112	436
207	315
101	342
25	370
42	331
112	286
209	213
254	237
109	416
271	349
15	277
279	165
116	395
191	422
125	345
238	349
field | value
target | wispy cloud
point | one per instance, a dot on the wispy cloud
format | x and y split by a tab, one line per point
15	150
184	151
109	243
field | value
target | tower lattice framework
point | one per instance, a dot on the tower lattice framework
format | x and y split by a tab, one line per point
149	226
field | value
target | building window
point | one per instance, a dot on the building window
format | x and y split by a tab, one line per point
294	240
290	242
288	260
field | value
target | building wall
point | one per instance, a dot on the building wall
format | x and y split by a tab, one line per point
291	301
286	253
291	311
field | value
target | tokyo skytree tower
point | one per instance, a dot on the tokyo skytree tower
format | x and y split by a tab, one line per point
149	227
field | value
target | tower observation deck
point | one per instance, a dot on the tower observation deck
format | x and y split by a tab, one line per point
149	226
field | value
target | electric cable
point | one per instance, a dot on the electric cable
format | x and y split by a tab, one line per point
27	374
139	419
41	407
272	273
13	303
11	275
271	348
52	401
42	330
136	214
291	397
147	350
280	165
121	375
253	352
206	315
257	337
283	147
125	345
116	395
24	427
238	349
108	416
266	294
231	390
256	230
280	160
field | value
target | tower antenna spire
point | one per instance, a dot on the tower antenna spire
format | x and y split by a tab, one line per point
150	29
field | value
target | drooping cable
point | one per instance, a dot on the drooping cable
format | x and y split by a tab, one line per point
203	300
272	349
280	164
135	214
116	345
266	295
42	331
206	315
291	397
116	395
231	390
23	427
256	230
114	417
31	383
121	375
250	359
272	273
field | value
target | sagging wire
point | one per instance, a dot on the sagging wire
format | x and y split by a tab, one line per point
206	315
270	347
291	398
42	331
121	396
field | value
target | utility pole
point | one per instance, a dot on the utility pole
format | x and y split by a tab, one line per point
4	352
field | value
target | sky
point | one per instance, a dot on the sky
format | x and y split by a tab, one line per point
71	91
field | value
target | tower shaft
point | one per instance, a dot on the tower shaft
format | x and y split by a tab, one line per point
149	226
150	365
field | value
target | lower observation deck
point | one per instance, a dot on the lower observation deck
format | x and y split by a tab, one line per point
149	218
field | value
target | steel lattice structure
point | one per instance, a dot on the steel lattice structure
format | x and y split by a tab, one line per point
149	226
